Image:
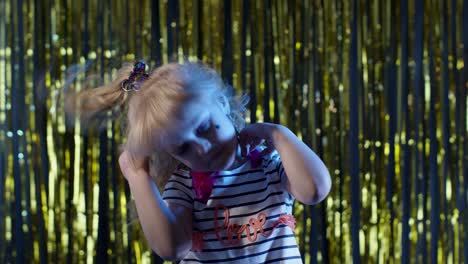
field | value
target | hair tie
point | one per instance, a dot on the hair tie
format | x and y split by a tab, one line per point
137	76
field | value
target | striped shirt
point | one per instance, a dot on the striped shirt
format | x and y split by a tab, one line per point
245	220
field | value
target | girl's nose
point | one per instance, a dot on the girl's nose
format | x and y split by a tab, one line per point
203	146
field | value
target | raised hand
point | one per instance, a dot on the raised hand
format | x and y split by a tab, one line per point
258	134
131	166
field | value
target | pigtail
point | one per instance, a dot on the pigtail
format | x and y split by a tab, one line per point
94	103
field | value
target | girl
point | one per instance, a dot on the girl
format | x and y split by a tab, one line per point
230	188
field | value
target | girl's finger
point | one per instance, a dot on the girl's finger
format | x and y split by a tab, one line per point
254	142
269	147
125	164
267	150
130	165
245	149
245	143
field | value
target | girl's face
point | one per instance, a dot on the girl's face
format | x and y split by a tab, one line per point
202	136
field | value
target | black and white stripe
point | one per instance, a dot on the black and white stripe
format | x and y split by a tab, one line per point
245	192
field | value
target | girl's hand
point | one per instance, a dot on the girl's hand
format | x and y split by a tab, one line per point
132	166
257	134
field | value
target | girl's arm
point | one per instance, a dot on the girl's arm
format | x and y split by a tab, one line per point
309	179
167	227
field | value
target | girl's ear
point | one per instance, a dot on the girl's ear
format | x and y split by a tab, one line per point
224	103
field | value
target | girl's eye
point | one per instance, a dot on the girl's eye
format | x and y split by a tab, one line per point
204	128
182	149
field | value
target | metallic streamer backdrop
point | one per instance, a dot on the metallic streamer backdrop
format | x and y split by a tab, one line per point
376	88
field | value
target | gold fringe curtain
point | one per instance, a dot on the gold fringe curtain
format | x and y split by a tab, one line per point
376	88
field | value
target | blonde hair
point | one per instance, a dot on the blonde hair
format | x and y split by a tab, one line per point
149	109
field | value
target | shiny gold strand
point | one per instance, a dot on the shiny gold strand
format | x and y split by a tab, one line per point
60	205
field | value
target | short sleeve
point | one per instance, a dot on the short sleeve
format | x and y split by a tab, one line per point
273	166
179	189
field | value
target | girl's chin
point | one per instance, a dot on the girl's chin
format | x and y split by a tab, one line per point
232	162
220	164
224	162
229	164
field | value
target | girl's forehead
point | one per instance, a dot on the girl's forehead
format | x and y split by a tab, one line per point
194	106
187	111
